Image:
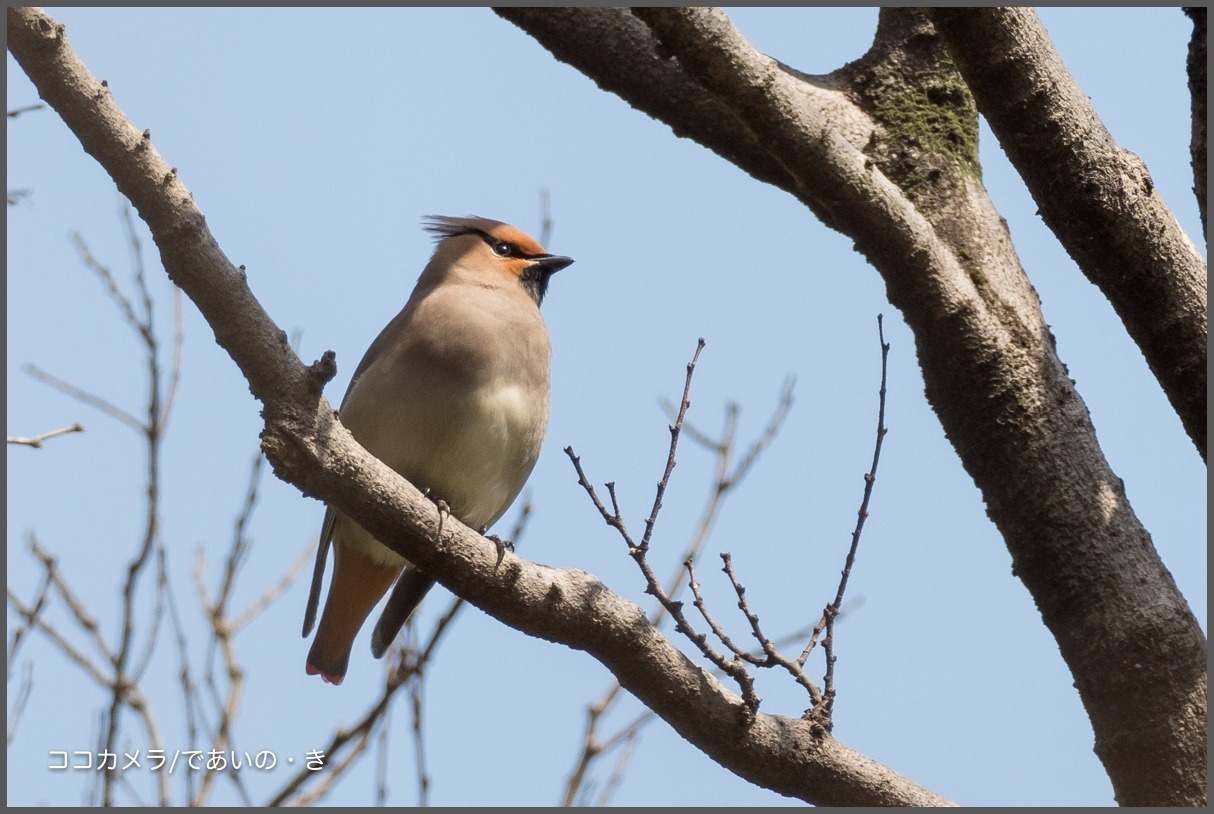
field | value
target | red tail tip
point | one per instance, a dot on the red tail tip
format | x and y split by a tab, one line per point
328	679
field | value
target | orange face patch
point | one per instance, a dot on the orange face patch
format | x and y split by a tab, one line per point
525	244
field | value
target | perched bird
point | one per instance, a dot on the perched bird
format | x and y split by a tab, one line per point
453	395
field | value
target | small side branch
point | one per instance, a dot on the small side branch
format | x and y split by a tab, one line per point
735	668
15	112
37	440
771	652
675	429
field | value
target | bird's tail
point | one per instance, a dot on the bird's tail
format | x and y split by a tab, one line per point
359	582
410	589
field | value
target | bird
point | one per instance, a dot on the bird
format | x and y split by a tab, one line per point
453	394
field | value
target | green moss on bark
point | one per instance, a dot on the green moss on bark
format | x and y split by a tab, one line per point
938	117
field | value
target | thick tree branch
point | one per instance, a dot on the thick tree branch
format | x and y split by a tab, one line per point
617	51
909	193
1096	197
1196	66
309	448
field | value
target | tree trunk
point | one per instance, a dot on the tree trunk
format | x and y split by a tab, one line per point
885	151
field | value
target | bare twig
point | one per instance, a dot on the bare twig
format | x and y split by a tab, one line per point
120	684
381	763
189	692
22	698
267	598
126	670
622	761
38	606
27	670
675	429
727	477
36	441
240	539
135	244
734	669
226	704
153	627
770	651
120	665
151	429
58	639
417	692
716	629
14	113
757	447
74	604
355	738
545	216
135	699
84	396
822	712
111	286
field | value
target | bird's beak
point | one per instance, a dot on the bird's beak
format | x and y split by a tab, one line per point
550	263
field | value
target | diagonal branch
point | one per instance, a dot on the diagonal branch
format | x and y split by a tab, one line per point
1097	198
115	412
617	51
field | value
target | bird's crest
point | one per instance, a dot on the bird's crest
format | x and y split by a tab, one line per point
444	226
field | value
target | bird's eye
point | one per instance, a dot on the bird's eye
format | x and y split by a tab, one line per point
501	248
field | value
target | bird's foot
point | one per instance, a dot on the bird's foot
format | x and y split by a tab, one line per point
502	545
443	509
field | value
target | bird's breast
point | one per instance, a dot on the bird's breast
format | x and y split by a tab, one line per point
466	428
476	451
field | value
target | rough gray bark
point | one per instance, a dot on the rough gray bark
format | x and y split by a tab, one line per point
885	151
310	449
1196	65
1095	196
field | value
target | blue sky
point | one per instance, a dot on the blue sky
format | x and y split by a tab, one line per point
315	141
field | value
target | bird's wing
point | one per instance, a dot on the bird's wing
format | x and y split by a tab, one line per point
318	572
326	529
